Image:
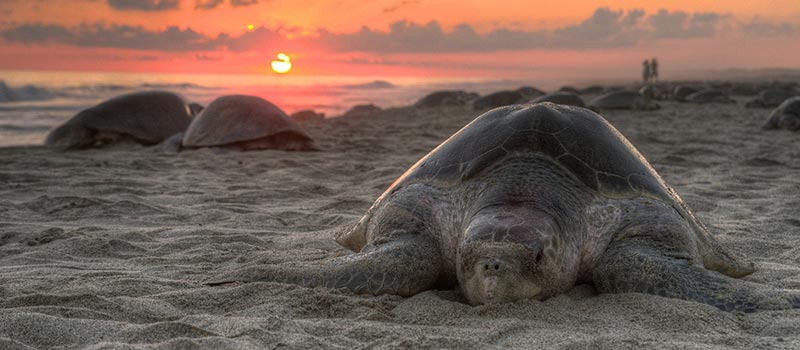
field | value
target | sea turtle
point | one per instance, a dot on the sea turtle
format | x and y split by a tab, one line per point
771	98
307	115
681	91
593	90
147	118
623	100
652	91
786	116
527	201
362	110
497	99
562	98
446	98
245	123
529	92
709	95
568	88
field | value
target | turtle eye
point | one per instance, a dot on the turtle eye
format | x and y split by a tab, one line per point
539	256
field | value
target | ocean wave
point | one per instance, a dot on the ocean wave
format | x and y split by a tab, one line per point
28	93
25	128
376	84
24	93
174	86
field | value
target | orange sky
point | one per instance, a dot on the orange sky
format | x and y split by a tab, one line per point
323	36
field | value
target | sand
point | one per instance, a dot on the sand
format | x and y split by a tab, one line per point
107	249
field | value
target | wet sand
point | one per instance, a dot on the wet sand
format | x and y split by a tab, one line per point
108	249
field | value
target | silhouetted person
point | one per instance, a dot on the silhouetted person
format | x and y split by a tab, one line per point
646	71
654	69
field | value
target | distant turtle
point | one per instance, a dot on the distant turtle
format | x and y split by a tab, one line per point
446	98
786	116
681	91
498	99
593	90
571	89
771	98
709	95
744	89
562	98
526	202
362	110
529	92
623	100
652	91
143	117
245	123
307	115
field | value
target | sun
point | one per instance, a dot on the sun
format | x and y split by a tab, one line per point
282	65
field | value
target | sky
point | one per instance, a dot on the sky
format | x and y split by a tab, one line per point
475	38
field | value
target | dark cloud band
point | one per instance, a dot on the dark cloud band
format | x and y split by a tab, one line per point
144	5
606	28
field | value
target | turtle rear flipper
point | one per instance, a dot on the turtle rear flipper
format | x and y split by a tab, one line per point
404	266
643	265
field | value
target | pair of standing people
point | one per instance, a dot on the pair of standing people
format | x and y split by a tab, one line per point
650	71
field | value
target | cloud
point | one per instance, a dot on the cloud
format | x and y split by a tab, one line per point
680	24
761	27
604	29
38	33
144	5
243	2
207	4
114	36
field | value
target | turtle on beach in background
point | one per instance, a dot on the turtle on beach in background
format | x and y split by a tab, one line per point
498	99
245	123
525	202
529	92
593	90
362	110
681	91
786	116
771	98
562	98
446	98
708	96
652	91
146	118
623	100
568	88
307	115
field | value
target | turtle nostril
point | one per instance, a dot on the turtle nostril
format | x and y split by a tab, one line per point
485	266
497	267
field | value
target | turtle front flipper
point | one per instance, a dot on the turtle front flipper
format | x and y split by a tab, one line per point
645	265
405	265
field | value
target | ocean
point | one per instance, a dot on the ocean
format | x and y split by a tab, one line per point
33	102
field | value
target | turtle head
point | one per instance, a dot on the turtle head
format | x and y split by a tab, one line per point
508	255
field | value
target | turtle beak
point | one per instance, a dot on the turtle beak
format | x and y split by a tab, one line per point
489	288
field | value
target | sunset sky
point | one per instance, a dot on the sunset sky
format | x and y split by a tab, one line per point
399	37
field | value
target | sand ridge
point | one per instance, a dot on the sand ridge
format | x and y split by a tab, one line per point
108	249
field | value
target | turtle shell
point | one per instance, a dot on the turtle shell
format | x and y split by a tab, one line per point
681	91
786	116
238	118
623	99
579	140
708	95
149	117
562	98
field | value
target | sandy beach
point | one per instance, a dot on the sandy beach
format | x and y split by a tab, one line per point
108	249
